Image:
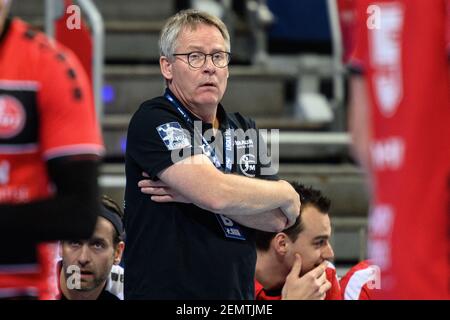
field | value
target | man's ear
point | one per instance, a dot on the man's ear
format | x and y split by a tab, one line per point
280	243
118	252
166	67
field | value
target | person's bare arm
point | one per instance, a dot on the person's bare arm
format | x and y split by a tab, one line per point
258	203
271	221
360	121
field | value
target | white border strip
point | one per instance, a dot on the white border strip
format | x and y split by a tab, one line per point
20	85
74	150
18	149
336	138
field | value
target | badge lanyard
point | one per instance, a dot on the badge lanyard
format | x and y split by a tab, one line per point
230	229
206	147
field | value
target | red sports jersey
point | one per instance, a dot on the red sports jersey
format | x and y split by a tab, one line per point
46	111
401	47
346	9
360	282
334	293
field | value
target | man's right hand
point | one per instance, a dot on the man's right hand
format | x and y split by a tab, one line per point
292	209
311	286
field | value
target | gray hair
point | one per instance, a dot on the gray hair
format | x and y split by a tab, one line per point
188	18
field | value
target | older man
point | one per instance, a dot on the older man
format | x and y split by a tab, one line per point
193	238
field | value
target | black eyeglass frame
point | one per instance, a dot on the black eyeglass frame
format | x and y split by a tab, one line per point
205	55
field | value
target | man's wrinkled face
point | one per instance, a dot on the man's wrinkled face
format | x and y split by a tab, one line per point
204	86
313	242
93	258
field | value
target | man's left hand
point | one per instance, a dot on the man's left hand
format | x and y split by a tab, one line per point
159	191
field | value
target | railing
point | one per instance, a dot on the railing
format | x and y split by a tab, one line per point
357	224
53	9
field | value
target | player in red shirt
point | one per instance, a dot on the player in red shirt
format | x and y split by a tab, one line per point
361	281
399	119
294	264
50	147
334	293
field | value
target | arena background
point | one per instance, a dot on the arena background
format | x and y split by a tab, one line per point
287	72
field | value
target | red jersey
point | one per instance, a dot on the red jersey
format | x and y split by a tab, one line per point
334	293
360	282
346	10
46	111
401	47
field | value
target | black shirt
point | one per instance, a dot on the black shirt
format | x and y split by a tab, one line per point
177	250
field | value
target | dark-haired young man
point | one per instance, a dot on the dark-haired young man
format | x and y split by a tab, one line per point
89	268
295	264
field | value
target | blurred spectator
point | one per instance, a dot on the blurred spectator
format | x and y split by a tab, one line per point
89	269
399	119
50	147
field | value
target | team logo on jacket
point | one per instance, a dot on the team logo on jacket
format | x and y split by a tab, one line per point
247	164
173	136
12	116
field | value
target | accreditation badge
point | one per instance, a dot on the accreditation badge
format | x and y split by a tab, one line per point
230	228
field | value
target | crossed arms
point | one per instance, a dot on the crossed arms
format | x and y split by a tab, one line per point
265	205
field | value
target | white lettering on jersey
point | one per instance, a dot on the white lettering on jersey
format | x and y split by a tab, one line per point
381	220
380	253
385	57
388	154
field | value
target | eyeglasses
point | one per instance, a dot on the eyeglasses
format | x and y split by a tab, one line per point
197	59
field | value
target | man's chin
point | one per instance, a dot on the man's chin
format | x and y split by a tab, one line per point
86	286
214	102
208	98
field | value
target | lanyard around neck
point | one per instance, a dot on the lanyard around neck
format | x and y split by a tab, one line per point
207	149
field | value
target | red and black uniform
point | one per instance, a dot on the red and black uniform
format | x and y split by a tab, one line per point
402	51
334	293
50	145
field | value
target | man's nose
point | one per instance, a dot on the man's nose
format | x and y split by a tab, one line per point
84	257
328	253
209	65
